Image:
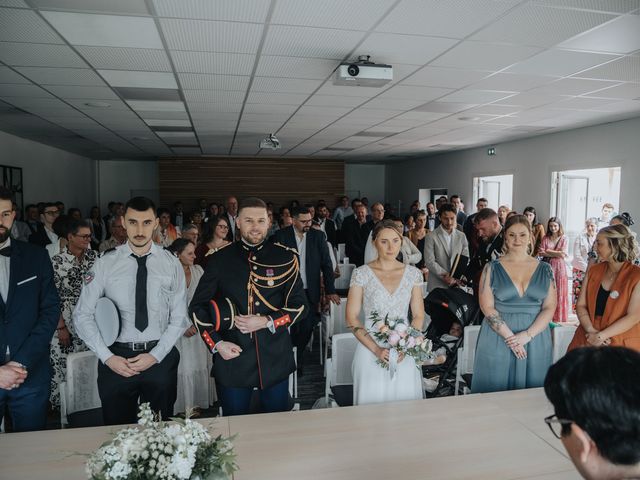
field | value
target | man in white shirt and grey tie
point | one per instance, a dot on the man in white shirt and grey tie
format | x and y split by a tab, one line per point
147	285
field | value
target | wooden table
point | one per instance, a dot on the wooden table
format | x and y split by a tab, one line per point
493	436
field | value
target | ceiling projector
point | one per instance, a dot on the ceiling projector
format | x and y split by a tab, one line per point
270	142
363	73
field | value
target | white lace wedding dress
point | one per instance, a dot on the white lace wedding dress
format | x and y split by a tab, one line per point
371	382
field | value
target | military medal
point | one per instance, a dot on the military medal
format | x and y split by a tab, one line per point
270	282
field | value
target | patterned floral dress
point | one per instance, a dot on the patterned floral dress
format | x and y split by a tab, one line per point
559	268
68	274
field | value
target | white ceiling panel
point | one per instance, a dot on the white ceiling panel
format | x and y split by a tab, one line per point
295	67
573	86
158	106
9	76
584	103
393	103
626	69
453	18
541	26
39	55
128	78
476	96
22	90
214	108
560	63
25	26
409	92
331	13
231	10
167	123
194	81
335	101
163	115
322	111
444	77
310	42
114	58
284	85
512	82
276	98
133	7
409	49
621	35
213	62
328	88
213	96
61	76
628	91
96	93
268	108
105	30
209	36
527	99
13	3
612	6
482	56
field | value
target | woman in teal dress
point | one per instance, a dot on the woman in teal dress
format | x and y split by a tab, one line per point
517	296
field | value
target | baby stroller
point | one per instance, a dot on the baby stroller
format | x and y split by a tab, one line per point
444	305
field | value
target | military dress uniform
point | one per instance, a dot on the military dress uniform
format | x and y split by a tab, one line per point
258	280
116	275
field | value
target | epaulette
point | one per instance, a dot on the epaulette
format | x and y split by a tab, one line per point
291	249
214	250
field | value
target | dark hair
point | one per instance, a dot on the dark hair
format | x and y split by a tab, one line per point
5	193
73	210
623	218
454	196
73	225
43	206
95	207
251	202
598	389
354	201
178	245
447	207
296	211
418	213
162	211
60	225
211	228
482	199
31	205
554	220
485	214
535	215
140	204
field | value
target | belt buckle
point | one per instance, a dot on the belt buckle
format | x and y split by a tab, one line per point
139	346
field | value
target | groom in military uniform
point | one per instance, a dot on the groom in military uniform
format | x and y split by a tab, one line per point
249	296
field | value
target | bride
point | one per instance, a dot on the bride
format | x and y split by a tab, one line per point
385	286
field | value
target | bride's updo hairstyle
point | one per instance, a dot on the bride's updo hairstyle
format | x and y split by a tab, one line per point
624	247
517	219
381	225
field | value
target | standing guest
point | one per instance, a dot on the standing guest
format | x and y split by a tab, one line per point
409	225
518	299
609	304
118	235
98	228
342	211
45	234
441	201
313	254
232	214
605	215
419	232
491	235
284	219
147	285
441	248
273	224
624	218
503	211
456	201
60	206
32	217
178	217
212	212
214	240
355	235
69	268
312	210
594	393
111	214
327	225
166	233
193	371
553	250
30	312
249	296
196	219
537	228
61	229
469	227
582	246
202	207
191	232
432	218
75	214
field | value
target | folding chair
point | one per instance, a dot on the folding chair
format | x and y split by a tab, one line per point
80	404
339	381
561	337
466	358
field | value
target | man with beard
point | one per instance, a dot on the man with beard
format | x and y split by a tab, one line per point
29	310
147	285
491	237
249	296
313	254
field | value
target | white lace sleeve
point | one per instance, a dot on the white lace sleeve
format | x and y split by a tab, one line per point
358	277
416	276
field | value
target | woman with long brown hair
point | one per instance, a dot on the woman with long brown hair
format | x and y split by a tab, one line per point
553	250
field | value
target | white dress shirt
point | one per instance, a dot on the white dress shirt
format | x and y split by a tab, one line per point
5	270
302	253
114	276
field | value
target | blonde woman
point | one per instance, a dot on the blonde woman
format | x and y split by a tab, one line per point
609	304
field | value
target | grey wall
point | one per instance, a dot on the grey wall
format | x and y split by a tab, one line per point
120	179
532	162
368	180
50	174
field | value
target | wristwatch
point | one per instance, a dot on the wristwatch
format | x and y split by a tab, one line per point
270	325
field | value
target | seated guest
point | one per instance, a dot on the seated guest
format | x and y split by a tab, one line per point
284	218
409	224
61	229
212	212
232	215
456	201
178	217
165	234
327	225
196	219
75	213
441	247
191	232
609	304
503	211
45	234
98	228
118	235
214	239
32	217
19	230
355	235
594	392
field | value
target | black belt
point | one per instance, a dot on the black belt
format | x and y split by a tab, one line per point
137	346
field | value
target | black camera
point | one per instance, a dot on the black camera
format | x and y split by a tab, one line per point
353	70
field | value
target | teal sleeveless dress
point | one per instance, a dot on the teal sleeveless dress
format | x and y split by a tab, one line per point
496	368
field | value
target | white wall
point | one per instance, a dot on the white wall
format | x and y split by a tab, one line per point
50	174
119	180
368	180
532	162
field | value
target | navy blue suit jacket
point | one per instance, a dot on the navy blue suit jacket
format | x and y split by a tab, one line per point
31	312
317	259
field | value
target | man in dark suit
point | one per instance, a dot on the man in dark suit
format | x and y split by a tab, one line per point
29	313
314	256
355	235
45	234
327	225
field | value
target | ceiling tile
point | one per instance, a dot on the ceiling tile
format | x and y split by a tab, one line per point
213	96
453	18
105	30
209	36
114	58
476	96
211	109
628	91
39	55
310	42
583	103
296	67
9	76
560	63
573	86
97	93
213	62
25	26
540	26
61	76
194	81
284	85
22	90
331	13
335	101
231	10
625	69
409	49
484	56
269	108
444	77
151	105
163	115
134	7
613	6
621	35
512	82
407	92
187	151
128	78
276	98
13	3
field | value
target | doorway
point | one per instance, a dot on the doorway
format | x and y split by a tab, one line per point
497	189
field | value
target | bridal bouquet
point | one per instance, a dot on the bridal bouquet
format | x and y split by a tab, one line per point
401	338
157	450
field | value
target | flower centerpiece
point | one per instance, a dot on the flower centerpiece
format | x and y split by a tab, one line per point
400	337
157	450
